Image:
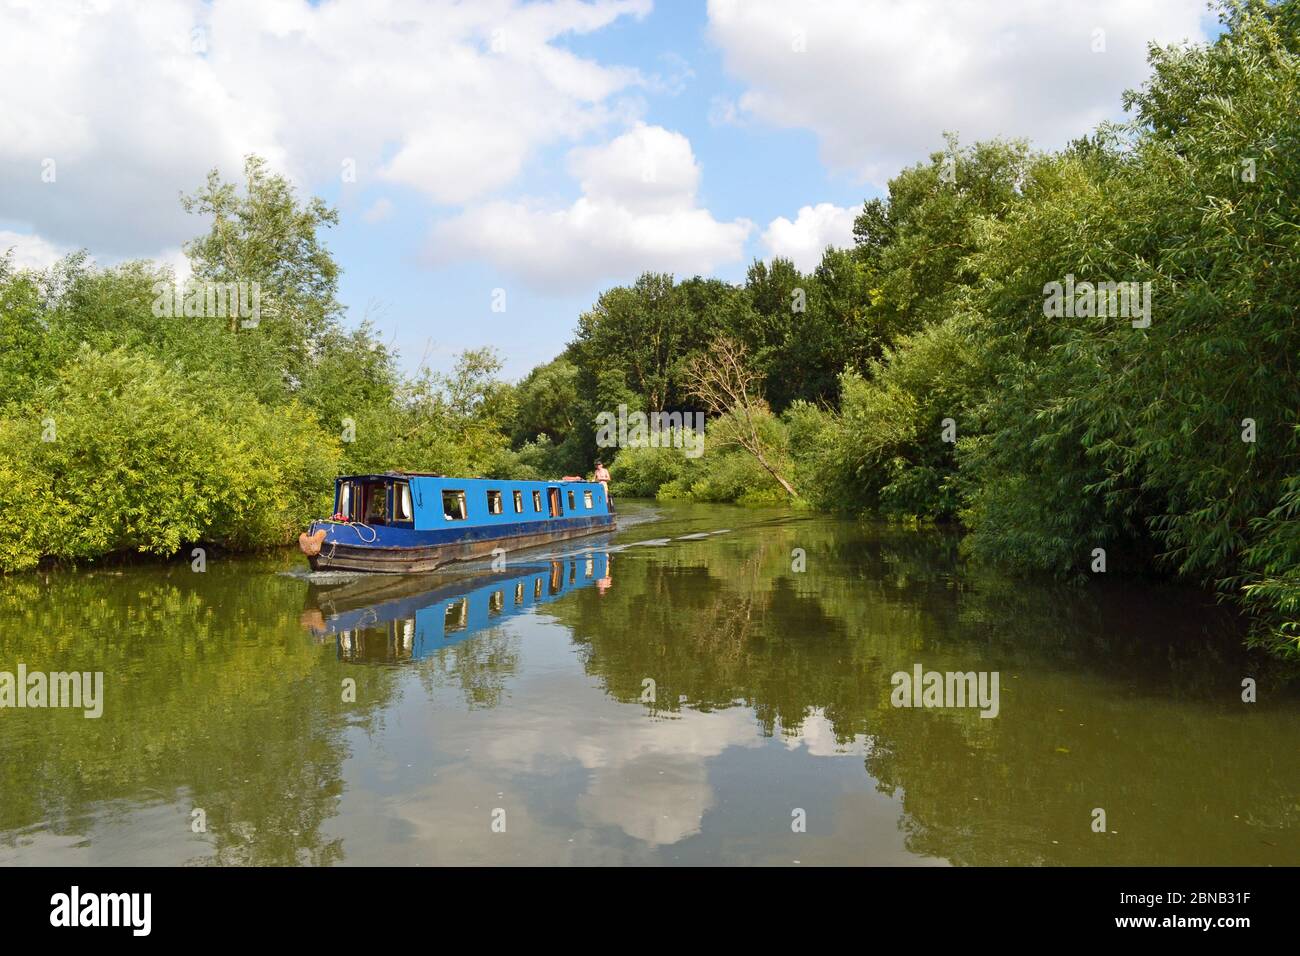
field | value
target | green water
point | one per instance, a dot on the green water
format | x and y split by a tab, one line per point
771	707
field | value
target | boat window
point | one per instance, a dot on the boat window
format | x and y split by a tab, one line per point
519	593
537	501
497	602
586	499
537	587
519	502
401	501
553	501
376	499
494	502
345	499
573	506
453	505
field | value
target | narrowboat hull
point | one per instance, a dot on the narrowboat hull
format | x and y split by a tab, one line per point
343	547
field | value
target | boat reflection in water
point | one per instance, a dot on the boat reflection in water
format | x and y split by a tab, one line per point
394	620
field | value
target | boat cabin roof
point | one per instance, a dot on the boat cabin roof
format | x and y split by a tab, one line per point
439	502
454	482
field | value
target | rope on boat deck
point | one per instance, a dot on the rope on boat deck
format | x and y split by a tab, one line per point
352	524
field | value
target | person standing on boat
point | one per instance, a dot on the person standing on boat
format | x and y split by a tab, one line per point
602	475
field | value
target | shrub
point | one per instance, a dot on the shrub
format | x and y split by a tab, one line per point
119	455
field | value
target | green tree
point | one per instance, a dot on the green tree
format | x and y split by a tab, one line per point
646	331
266	236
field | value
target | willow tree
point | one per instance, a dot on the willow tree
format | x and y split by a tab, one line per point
1170	441
268	236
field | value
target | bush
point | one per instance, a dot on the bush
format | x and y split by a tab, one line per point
119	455
641	472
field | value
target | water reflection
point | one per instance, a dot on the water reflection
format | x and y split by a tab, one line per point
674	712
409	618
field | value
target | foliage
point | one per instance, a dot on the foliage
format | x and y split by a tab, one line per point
124	428
721	378
118	455
917	375
1102	434
1172	446
266	236
640	472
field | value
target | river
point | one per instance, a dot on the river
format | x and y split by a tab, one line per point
709	685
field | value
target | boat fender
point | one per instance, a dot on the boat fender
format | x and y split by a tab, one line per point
310	543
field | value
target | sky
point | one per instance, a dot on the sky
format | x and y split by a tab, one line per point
497	164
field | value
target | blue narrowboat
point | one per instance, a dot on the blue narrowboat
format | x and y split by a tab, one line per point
408	622
404	522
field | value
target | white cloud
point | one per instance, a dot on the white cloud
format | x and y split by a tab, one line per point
647	169
28	251
637	211
723	111
878	82
135	102
179	263
814	228
378	211
676	77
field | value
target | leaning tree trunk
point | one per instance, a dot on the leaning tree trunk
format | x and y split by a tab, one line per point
789	488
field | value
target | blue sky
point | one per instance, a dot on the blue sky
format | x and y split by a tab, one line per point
750	171
546	150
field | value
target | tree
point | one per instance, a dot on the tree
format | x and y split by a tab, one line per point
1150	436
915	245
722	380
266	236
27	358
646	331
547	403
